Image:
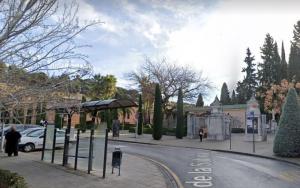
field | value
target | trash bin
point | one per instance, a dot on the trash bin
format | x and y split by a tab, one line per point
116	160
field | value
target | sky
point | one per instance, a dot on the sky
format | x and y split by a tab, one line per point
211	36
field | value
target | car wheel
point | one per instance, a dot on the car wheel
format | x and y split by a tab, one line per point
28	147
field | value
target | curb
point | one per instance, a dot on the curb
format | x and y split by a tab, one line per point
172	178
216	150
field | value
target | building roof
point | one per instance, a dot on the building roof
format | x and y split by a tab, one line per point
108	104
208	108
216	102
235	106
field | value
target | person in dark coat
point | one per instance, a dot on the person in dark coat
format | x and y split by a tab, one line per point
201	134
116	127
12	139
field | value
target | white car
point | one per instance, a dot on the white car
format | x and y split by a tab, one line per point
34	140
28	131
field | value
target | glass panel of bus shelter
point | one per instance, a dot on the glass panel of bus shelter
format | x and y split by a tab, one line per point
83	151
48	143
72	148
99	144
59	146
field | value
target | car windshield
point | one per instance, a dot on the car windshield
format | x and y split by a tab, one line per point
35	133
27	131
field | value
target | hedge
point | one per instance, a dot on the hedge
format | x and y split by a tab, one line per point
147	130
11	180
238	130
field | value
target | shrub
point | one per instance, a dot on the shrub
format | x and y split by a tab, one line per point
169	131
148	131
131	129
127	126
238	130
287	139
11	180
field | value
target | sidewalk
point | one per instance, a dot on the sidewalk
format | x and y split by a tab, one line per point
238	145
135	173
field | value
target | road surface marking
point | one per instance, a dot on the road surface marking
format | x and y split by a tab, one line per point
201	171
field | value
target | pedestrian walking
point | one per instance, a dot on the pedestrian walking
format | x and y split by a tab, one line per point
116	127
42	122
12	139
201	134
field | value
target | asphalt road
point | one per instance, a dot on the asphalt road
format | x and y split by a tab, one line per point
201	168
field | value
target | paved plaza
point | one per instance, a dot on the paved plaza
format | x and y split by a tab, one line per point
38	174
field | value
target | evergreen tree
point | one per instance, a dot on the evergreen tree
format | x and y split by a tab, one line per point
200	102
233	98
287	140
58	120
294	59
277	65
180	118
283	64
249	81
82	118
140	117
267	68
225	98
157	116
241	93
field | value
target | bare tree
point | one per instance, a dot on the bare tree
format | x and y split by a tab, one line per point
171	77
38	37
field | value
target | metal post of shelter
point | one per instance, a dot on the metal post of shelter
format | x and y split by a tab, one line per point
53	146
105	153
76	151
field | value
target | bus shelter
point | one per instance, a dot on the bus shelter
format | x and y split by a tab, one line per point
89	149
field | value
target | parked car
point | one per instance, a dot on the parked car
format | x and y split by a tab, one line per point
34	140
28	131
19	128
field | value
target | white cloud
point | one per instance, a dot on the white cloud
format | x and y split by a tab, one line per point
211	39
218	45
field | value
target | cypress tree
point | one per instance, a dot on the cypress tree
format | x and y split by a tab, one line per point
58	120
294	59
82	118
249	81
200	102
241	96
157	116
283	64
287	139
225	98
277	65
233	98
267	67
180	118
140	117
